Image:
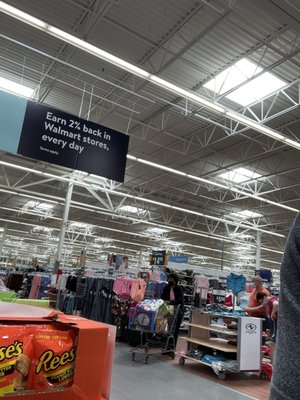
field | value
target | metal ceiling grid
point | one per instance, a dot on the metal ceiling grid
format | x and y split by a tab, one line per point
186	43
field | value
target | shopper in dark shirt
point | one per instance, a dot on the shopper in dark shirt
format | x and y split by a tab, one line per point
173	294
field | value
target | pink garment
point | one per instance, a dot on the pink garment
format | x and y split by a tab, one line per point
122	287
201	285
35	287
155	276
138	289
172	294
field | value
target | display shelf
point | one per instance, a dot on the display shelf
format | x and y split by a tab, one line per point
223	315
212	328
193	359
213	343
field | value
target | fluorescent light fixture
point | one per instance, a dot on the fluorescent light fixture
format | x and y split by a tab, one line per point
16	13
186	93
97	52
103	240
36	205
292	143
85	46
242	236
16	88
245	214
79	225
41	229
239	73
157	231
239	175
216	184
255	125
132	209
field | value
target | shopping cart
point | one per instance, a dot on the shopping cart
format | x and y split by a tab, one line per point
157	331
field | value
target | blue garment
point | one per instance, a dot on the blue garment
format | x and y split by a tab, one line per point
236	283
208	358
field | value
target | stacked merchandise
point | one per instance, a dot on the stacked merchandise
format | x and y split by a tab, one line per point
154	289
186	281
14	281
26	366
34	286
46	355
218	361
66	286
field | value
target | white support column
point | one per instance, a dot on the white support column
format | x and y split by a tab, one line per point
258	250
3	238
63	226
140	259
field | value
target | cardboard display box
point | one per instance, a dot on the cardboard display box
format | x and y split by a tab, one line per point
94	355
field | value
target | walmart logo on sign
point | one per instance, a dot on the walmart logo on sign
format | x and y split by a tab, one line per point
251	328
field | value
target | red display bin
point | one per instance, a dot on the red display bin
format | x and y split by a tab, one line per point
94	354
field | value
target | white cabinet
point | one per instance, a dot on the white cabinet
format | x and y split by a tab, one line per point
242	344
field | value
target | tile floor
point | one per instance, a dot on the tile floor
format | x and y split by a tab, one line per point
160	380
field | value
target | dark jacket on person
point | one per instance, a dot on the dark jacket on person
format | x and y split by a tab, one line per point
178	294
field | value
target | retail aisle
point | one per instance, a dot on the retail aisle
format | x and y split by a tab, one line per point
161	380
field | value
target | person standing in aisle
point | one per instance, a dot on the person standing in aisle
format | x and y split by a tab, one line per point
254	303
271	302
173	294
286	371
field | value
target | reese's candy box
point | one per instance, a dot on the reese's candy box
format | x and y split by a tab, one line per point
11	349
53	359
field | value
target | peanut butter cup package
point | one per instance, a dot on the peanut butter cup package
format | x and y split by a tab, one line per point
53	359
14	366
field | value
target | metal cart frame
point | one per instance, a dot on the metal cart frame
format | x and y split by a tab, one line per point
161	342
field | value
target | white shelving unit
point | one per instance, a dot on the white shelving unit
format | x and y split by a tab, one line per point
243	343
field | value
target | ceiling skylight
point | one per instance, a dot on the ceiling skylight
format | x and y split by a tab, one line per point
131	209
16	88
252	91
245	214
37	205
239	175
157	230
79	225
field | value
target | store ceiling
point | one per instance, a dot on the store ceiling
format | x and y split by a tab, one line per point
186	43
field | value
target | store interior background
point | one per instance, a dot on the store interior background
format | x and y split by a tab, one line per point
176	195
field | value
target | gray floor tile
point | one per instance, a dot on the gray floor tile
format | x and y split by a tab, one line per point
160	380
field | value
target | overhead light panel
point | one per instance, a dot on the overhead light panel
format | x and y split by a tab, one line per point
239	175
157	231
250	92
132	210
245	214
79	225
36	205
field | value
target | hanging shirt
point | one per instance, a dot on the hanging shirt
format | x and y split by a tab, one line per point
138	289
201	284
236	283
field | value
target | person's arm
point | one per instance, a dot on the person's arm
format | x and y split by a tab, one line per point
179	297
258	308
274	310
